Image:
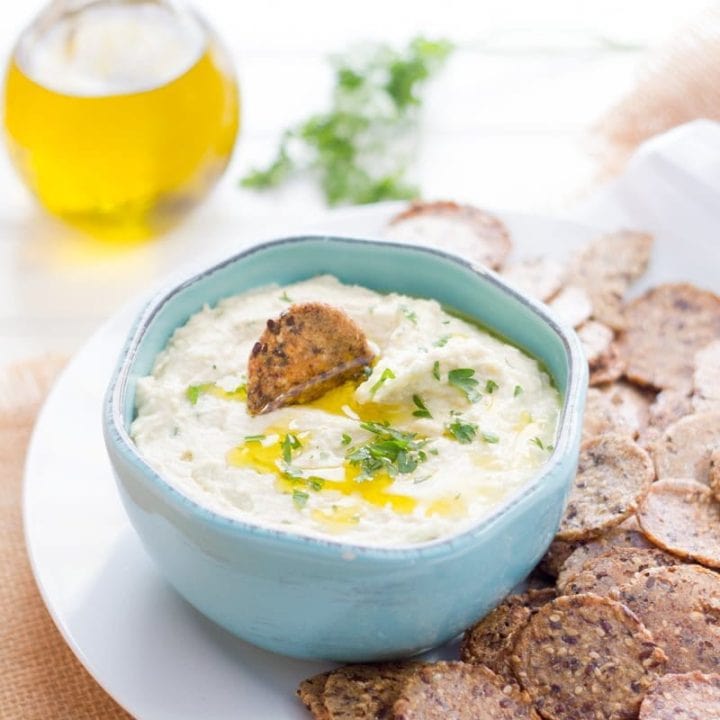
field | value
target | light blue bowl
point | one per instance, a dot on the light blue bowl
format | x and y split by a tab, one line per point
321	598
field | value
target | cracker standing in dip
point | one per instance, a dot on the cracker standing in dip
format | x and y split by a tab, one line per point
448	422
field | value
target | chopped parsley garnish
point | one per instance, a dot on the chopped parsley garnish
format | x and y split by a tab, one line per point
491	386
422	411
346	439
463	379
411	315
194	392
387	374
285	297
442	341
390	450
539	443
518	390
300	498
289	443
489	437
316	483
463	432
436	370
254	438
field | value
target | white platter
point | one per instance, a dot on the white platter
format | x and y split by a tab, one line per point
159	658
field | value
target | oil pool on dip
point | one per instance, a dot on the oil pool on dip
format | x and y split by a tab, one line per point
143	108
447	422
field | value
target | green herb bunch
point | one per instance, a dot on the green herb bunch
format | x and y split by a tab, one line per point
361	148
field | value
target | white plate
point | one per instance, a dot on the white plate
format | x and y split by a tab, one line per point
150	650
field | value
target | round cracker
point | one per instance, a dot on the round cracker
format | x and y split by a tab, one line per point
679	605
607	267
686	696
665	328
706	378
572	305
311	348
714	473
609	367
684	449
311	692
444	690
539	277
586	658
365	692
556	555
613	474
615	408
596	339
464	230
491	641
683	517
627	534
613	568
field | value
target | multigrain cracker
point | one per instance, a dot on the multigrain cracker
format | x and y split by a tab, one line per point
680	606
683	517
687	696
616	408
460	691
607	267
311	348
706	378
608	367
613	568
556	555
613	473
491	641
586	658
666	326
596	339
540	277
467	231
627	534
365	692
683	451
572	305
311	692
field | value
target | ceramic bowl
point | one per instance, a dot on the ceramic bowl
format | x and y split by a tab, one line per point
313	598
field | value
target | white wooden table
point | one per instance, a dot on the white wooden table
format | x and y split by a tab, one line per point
506	126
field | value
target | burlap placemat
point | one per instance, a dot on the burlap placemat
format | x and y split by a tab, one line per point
39	675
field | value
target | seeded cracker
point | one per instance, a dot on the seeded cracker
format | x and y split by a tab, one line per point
458	691
616	408
614	568
309	349
690	696
467	231
613	474
586	658
311	692
596	339
684	449
556	555
627	534
540	277
365	692
572	305
607	267
680	606
491	641
665	328
683	517
706	379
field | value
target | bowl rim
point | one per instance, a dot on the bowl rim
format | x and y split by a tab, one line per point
117	436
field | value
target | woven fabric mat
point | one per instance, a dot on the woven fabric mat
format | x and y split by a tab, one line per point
39	675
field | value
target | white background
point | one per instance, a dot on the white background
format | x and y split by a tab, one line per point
507	126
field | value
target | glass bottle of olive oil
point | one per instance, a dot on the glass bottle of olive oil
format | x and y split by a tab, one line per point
120	115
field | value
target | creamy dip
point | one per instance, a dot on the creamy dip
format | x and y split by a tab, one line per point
449	421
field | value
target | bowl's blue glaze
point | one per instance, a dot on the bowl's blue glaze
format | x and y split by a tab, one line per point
325	599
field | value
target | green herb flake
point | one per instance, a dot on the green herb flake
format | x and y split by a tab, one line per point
422	411
346	439
463	379
194	392
463	432
289	443
442	341
316	483
538	443
411	315
387	374
489	437
285	297
491	386
436	370
518	390
300	498
253	438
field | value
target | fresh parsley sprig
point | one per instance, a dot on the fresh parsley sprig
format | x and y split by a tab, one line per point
464	380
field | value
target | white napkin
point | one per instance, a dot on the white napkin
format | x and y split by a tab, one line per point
670	188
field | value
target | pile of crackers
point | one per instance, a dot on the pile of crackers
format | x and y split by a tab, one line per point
621	619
